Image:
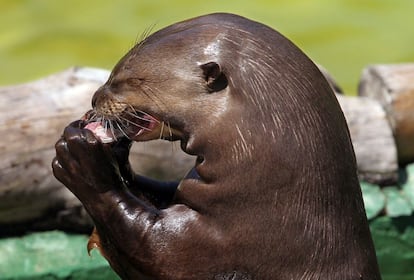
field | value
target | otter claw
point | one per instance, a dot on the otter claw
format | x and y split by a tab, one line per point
94	242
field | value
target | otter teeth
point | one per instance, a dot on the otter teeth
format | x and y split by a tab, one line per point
104	135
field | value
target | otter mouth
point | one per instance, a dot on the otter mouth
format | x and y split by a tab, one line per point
133	124
137	126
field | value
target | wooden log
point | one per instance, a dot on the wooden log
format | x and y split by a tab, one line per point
393	87
372	138
32	117
371	134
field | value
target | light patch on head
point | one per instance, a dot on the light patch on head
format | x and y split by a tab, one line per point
212	50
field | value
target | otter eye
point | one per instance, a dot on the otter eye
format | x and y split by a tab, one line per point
134	81
215	79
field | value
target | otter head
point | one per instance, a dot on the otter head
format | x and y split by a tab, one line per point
171	86
220	81
167	82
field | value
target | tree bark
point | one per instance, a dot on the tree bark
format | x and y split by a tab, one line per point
372	138
393	87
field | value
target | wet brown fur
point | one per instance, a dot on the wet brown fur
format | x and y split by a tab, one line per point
274	193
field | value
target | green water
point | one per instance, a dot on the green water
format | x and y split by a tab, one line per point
40	37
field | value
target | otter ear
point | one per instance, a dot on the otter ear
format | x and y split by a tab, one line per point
214	77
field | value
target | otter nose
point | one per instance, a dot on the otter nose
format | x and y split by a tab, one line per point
98	95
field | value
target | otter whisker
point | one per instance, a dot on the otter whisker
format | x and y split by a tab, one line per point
93	116
97	118
120	129
121	126
105	125
137	116
148	115
136	113
169	129
162	129
171	135
133	112
135	124
111	127
140	40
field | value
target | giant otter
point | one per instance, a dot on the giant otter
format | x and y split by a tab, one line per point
274	192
